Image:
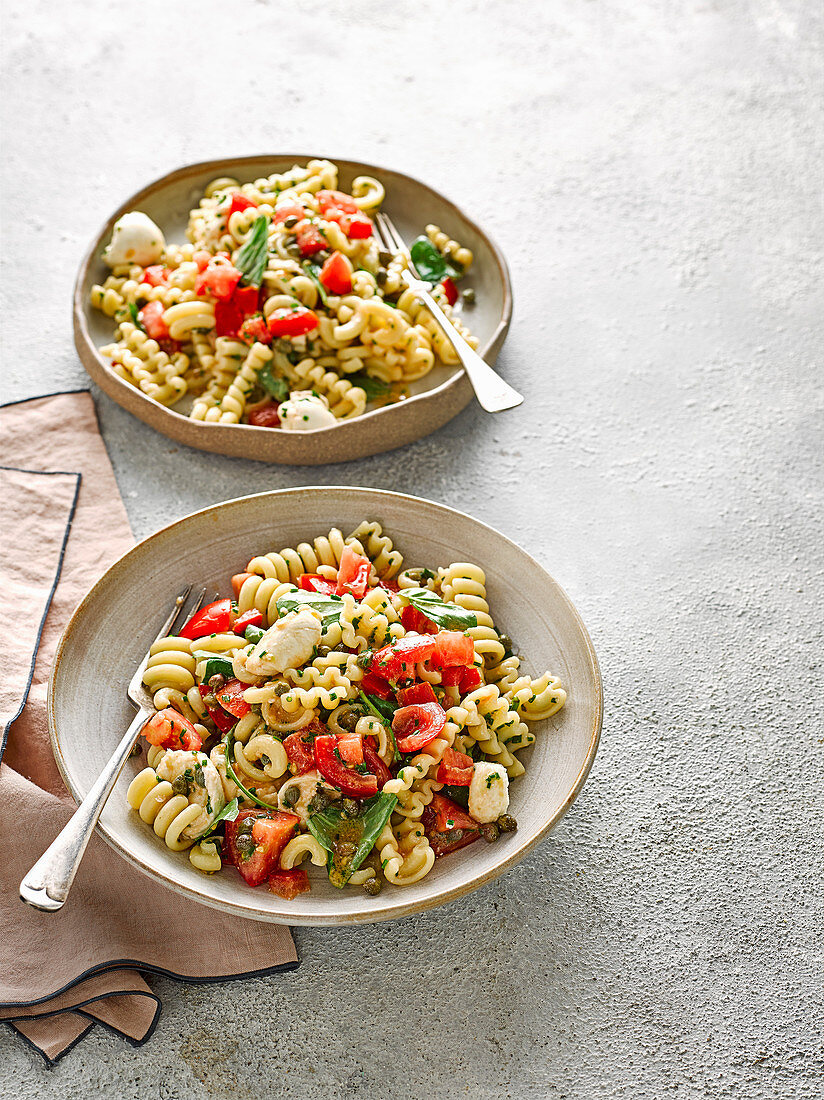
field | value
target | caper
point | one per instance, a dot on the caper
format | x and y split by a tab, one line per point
217	681
489	832
506	823
373	886
282	689
349	720
210	700
349	807
509	646
293	248
245	844
291	797
345	848
323	651
468	296
291	221
181	785
385	257
319	802
320	257
364	660
200	779
380	276
136	750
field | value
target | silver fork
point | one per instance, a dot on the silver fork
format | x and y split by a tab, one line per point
47	884
492	392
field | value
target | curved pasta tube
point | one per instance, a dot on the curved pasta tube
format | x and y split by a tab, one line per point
234	400
405	858
464	584
168	813
262	758
451	249
378	547
170	665
536	699
205	856
289	564
499	724
185	318
298	848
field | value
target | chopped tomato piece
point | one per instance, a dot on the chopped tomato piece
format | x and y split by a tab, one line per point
452	648
447	826
416	725
358	227
265	416
456	769
288	210
252	617
451	677
228	318
353	573
231	698
372	684
255	329
219	279
239	202
170	730
214	618
238	580
412	619
156	275
246	298
336	274
296	321
350	748
288	884
309	239
352	783
221	718
298	749
450	290
417	693
390	584
374	762
336	200
396	662
202	259
313	582
470	679
255	839
152	318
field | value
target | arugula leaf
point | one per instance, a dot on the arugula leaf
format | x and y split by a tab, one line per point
230	771
135	316
384	710
446	615
313	271
431	264
251	259
328	607
276	387
331	828
373	387
228	813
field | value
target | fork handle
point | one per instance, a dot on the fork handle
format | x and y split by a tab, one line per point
494	395
47	884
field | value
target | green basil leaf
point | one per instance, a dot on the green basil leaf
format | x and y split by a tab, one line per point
252	257
373	387
313	271
330	826
228	813
448	616
328	607
135	316
274	385
431	264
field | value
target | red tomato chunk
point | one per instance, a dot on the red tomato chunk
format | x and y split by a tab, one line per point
415	726
353	573
255	839
214	618
288	884
447	826
169	730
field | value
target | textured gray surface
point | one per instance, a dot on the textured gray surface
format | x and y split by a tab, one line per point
653	174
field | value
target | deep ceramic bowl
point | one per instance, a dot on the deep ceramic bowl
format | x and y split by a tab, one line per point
112	628
433	400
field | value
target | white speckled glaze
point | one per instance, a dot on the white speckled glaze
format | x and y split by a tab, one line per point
113	626
433	400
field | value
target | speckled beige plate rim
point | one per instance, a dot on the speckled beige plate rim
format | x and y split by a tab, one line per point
376	431
122	570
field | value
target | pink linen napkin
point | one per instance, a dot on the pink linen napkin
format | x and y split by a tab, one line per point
62	523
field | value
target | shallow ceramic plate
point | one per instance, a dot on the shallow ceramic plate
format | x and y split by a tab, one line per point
433	400
112	628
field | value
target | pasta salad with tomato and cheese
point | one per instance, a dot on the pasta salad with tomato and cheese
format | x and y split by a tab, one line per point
282	310
341	708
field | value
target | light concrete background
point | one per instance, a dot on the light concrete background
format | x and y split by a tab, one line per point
653	172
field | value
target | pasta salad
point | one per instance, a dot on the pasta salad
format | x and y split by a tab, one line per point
343	708
282	310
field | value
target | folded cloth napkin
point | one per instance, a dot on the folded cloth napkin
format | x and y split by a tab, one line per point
63	523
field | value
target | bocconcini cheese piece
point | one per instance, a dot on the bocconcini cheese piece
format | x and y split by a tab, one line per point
288	644
135	240
305	411
488	791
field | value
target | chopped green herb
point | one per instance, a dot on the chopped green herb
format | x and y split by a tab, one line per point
430	264
135	316
251	259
